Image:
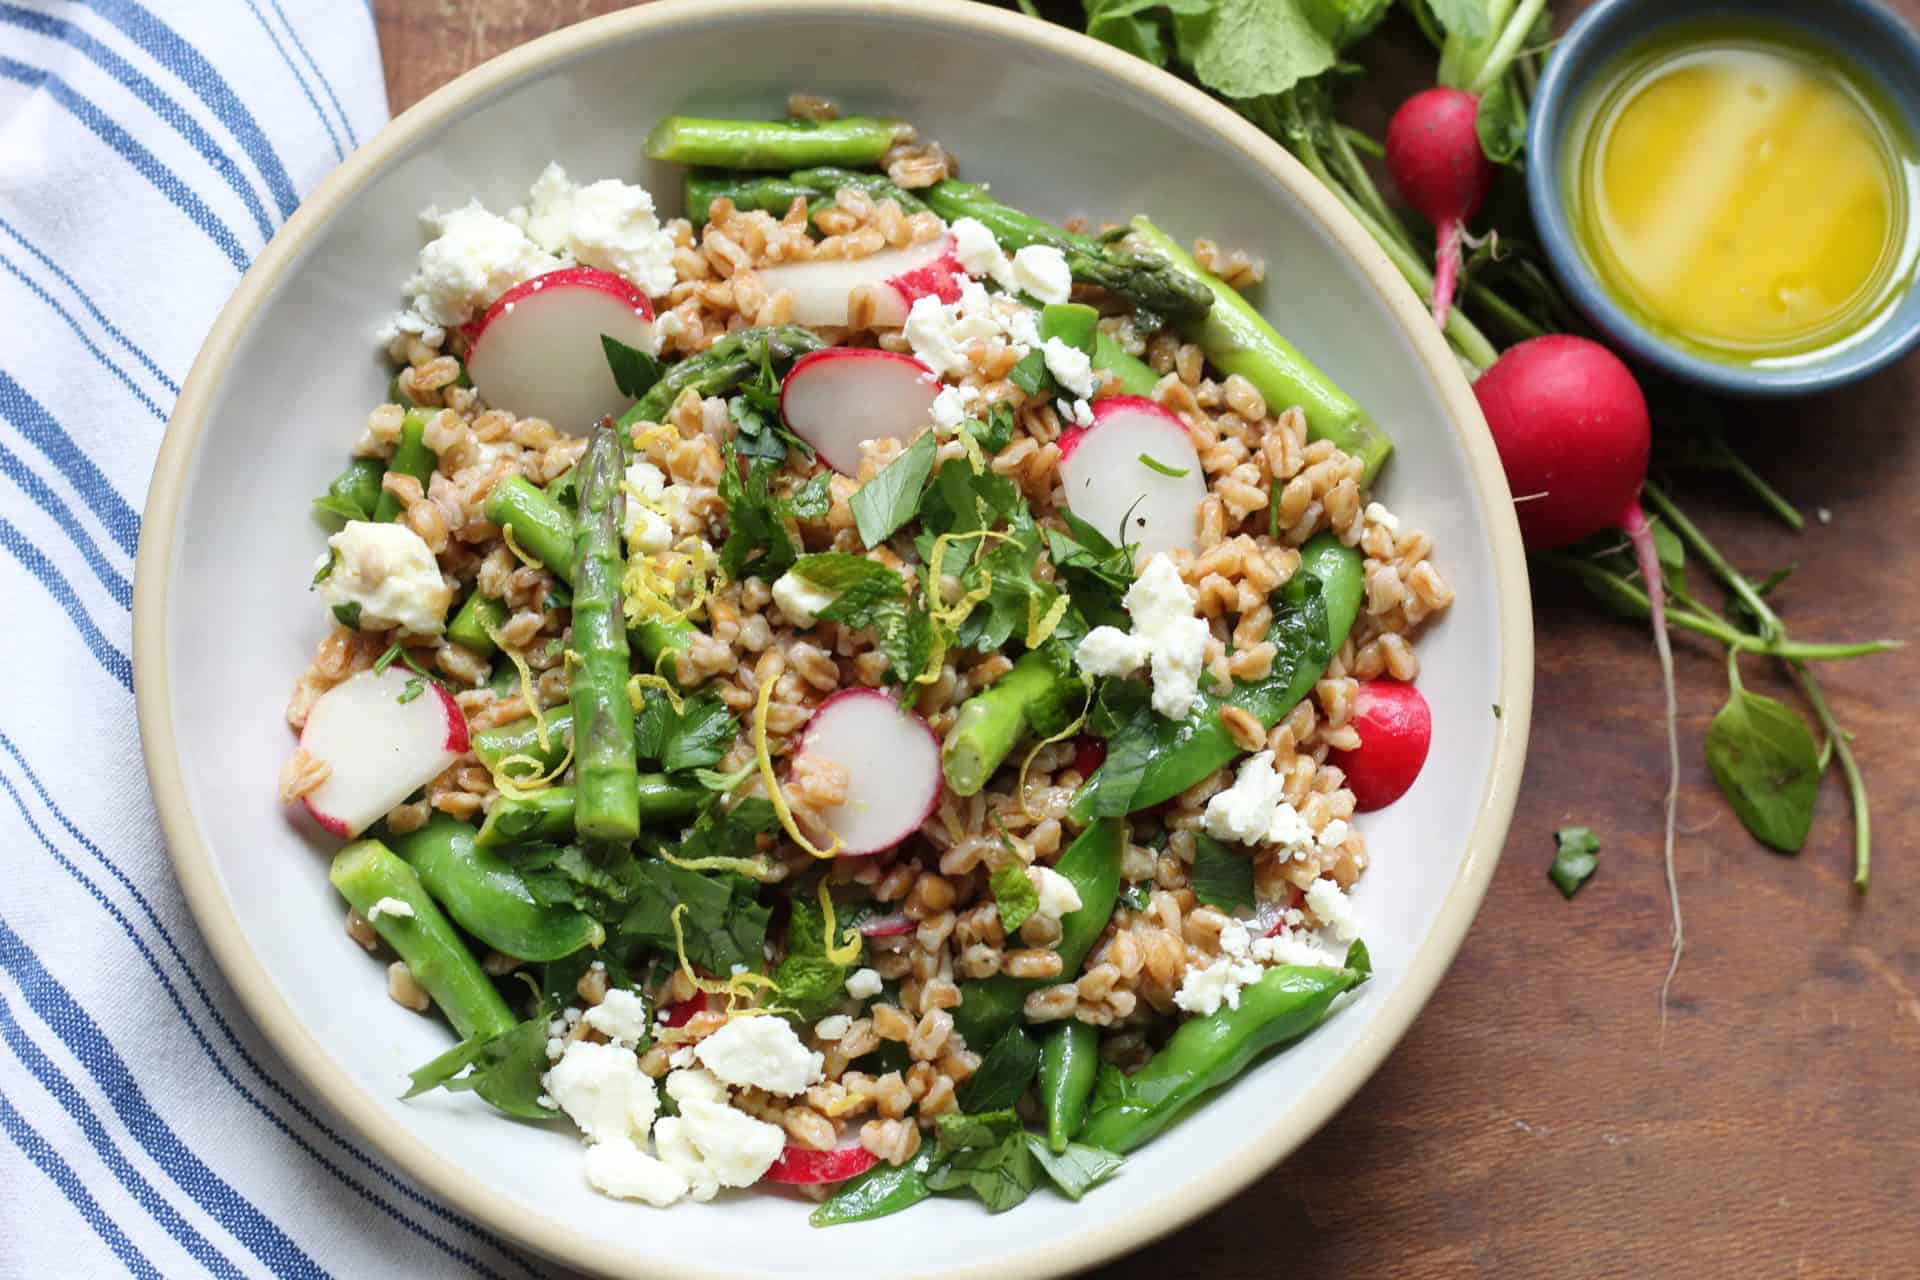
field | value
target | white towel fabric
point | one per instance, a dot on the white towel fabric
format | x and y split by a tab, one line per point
148	150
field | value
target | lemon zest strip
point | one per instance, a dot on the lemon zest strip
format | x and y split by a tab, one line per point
736	988
506	534
1079	720
774	794
847	953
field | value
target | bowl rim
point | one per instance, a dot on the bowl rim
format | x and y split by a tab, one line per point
539	1231
1566	74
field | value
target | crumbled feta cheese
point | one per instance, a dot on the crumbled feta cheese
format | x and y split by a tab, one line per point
1234	940
1056	893
1326	900
800	599
474	257
669	325
651	506
832	1027
978	252
760	1053
951	407
1333	835
864	984
387	570
621	1016
600	1087
1081	412
1071	367
1290	947
681	1057
1206	987
607	224
941	333
695	1084
712	1145
1382	517
1040	270
1254	810
1109	651
411	322
619	1168
390	907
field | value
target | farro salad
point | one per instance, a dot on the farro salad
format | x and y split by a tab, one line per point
855	687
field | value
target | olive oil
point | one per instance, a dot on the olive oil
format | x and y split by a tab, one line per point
1743	192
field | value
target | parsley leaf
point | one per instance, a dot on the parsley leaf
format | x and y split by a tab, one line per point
758	541
1220	877
694	738
634	371
996	433
1097	573
724	924
872	596
1003	1074
1575	859
1013	894
504	1069
892	498
720	832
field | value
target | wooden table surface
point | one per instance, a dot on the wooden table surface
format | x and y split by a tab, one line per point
1533	1122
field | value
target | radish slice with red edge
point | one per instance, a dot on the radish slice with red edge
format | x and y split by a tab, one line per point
1395	728
801	1166
890	926
537	353
680	1012
382	736
822	288
838	398
1135	476
892	761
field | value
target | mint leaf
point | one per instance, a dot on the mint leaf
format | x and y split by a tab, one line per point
1078	1169
985	1154
758	541
634	371
890	499
1014	894
1003	1075
1576	857
872	596
1220	877
1030	375
724	924
810	984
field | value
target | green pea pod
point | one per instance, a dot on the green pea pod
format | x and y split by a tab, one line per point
1206	1052
1074	323
1312	615
488	897
1092	863
1137	377
411	457
366	872
1069	1061
879	1191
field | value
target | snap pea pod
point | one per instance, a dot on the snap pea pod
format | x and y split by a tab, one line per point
355	492
547	814
1238	339
989	723
1310	624
487	896
473	626
1069	1061
1078	325
773	144
606	806
1092	863
411	457
544	530
722	368
1208	1051
366	872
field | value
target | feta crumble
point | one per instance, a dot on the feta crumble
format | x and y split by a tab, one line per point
621	1016
1109	651
473	258
388	571
1056	894
607	224
1071	367
1327	901
801	599
601	1089
1207	987
952	406
833	1027
390	907
760	1053
619	1168
654	508
941	333
864	984
1041	272
1254	810
1166	636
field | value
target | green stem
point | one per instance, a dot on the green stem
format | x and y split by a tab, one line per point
1849	768
1768	496
1771	627
1512	39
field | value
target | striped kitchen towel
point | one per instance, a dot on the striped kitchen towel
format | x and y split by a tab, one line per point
148	150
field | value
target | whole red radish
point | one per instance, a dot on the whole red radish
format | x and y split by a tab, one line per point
1434	155
1395	728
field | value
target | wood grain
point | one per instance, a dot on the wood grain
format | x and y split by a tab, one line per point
1535	1122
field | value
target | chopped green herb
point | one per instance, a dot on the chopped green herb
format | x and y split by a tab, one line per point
1014	894
986	1155
890	499
348	614
1078	1169
996	433
695	737
1220	877
872	596
634	372
414	688
1135	895
724	782
811	984
1576	857
385	660
1152	463
1003	1075
504	1069
326	570
1030	374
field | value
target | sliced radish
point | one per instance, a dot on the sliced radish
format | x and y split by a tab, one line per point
382	737
890	926
537	353
1395	728
1110	485
681	1012
1089	753
800	1165
892	761
822	288
838	398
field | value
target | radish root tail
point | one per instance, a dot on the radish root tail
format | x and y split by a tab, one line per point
1634	525
1446	269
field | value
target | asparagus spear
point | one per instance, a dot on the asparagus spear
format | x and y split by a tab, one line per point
721	368
1238	339
775	194
1027	698
476	622
411	457
605	777
1156	286
773	144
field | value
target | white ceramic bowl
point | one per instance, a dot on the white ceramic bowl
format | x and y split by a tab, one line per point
1062	126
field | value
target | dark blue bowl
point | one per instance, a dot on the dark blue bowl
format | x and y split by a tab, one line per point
1884	49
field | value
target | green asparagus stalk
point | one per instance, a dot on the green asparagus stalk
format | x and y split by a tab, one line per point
990	722
411	457
773	144
473	626
1238	339
1157	287
548	814
827	181
722	368
775	194
541	527
355	492
367	873
607	807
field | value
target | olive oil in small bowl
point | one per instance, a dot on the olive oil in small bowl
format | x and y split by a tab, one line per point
1735	197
